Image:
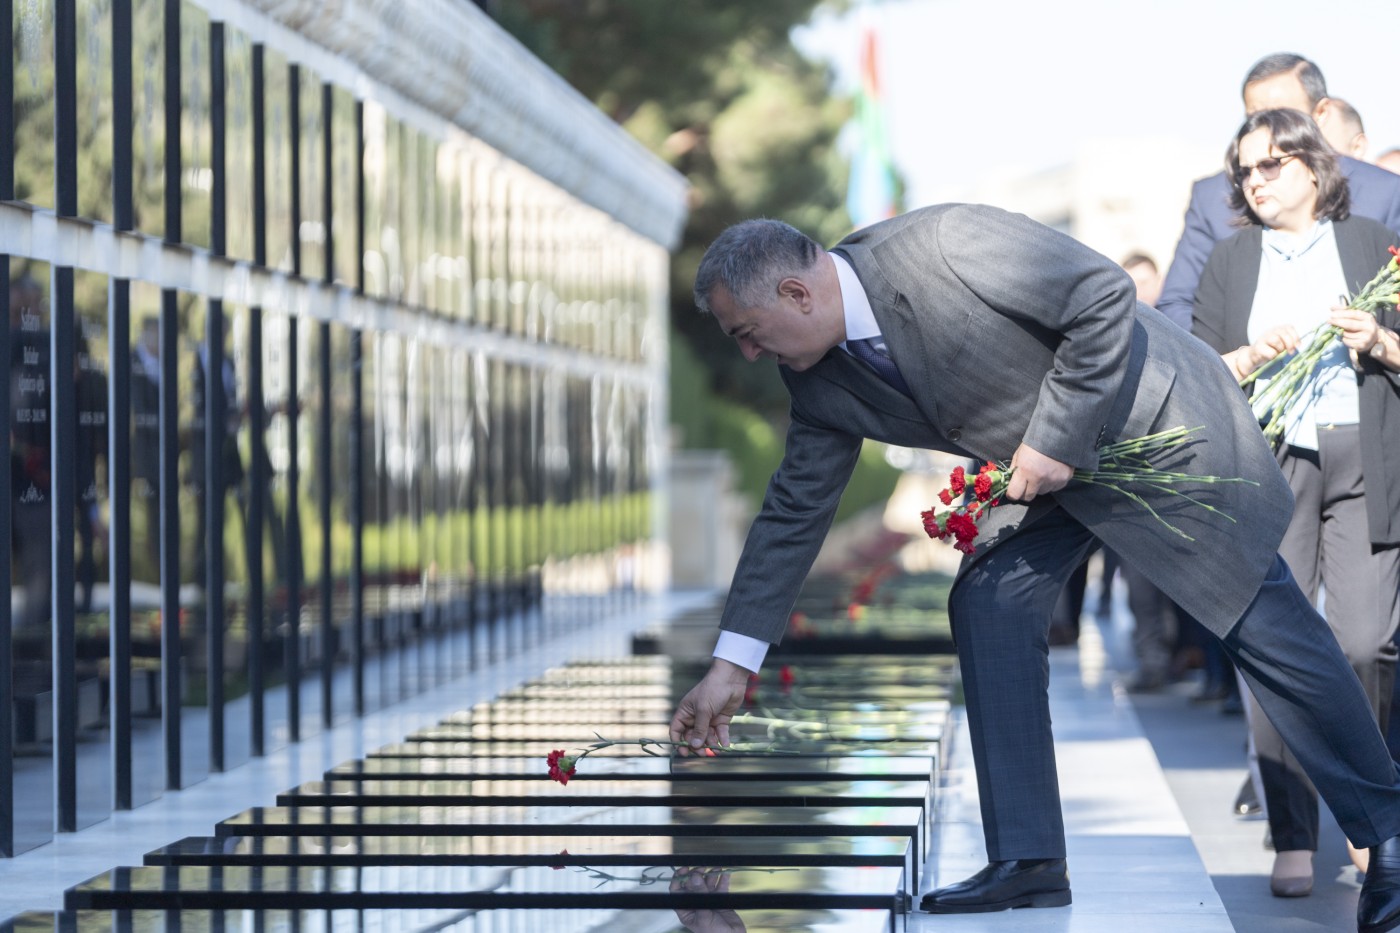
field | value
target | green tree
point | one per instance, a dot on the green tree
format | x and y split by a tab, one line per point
720	93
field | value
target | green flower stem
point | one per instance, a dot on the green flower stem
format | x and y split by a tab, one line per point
1146	505
1123	464
1291	374
1127	464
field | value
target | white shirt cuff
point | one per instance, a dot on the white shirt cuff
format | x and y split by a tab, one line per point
744	650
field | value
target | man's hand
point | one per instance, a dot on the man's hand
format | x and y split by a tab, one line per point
705	881
1035	474
704	714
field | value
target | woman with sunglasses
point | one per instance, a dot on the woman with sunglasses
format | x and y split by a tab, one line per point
1287	272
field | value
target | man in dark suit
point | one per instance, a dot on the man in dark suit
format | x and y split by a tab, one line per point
1280	80
1004	340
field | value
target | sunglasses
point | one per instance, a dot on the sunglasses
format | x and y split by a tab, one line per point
1268	169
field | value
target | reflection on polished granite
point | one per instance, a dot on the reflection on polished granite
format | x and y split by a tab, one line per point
741	731
581	821
477	848
817	633
664	821
572	920
539	748
722	768
444	793
466	886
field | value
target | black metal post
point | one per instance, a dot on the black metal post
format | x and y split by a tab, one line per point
323	479
63	424
257	425
215	414
293	571
169	408
119	417
357	427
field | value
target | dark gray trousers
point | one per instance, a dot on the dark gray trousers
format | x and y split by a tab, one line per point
1000	611
1328	544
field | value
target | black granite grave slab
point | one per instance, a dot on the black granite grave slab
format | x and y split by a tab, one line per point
767	703
640	820
568	709
616	691
763	750
480	849
722	768
871	631
744	728
470	886
826	679
573	920
909	671
669	673
602	793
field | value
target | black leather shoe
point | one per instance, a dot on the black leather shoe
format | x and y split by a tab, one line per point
1378	908
1004	885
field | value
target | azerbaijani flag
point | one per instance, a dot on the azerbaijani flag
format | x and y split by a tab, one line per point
870	195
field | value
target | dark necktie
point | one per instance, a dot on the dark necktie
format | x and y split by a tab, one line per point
866	350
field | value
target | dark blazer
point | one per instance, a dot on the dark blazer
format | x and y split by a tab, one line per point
1375	193
1222	309
1005	331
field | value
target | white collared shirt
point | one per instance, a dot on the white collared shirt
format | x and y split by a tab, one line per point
860	317
745	650
1300	278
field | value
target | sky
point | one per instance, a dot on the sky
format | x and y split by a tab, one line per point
974	88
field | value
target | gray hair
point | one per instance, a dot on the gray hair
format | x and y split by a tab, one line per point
751	257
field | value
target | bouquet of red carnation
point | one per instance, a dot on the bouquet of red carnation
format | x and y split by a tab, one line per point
1124	467
960	522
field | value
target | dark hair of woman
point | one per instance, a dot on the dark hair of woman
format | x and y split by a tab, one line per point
1293	133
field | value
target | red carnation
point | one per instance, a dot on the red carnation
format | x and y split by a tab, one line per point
561	766
786	676
946	497
931	526
963	528
957	481
982	486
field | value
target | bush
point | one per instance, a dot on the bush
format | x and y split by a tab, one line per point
706	422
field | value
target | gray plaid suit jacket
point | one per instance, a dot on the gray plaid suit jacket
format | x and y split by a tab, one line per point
1006	330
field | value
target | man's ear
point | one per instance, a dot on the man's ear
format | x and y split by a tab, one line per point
796	290
1322	112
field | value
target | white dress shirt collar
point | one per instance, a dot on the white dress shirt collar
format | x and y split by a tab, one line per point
860	318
